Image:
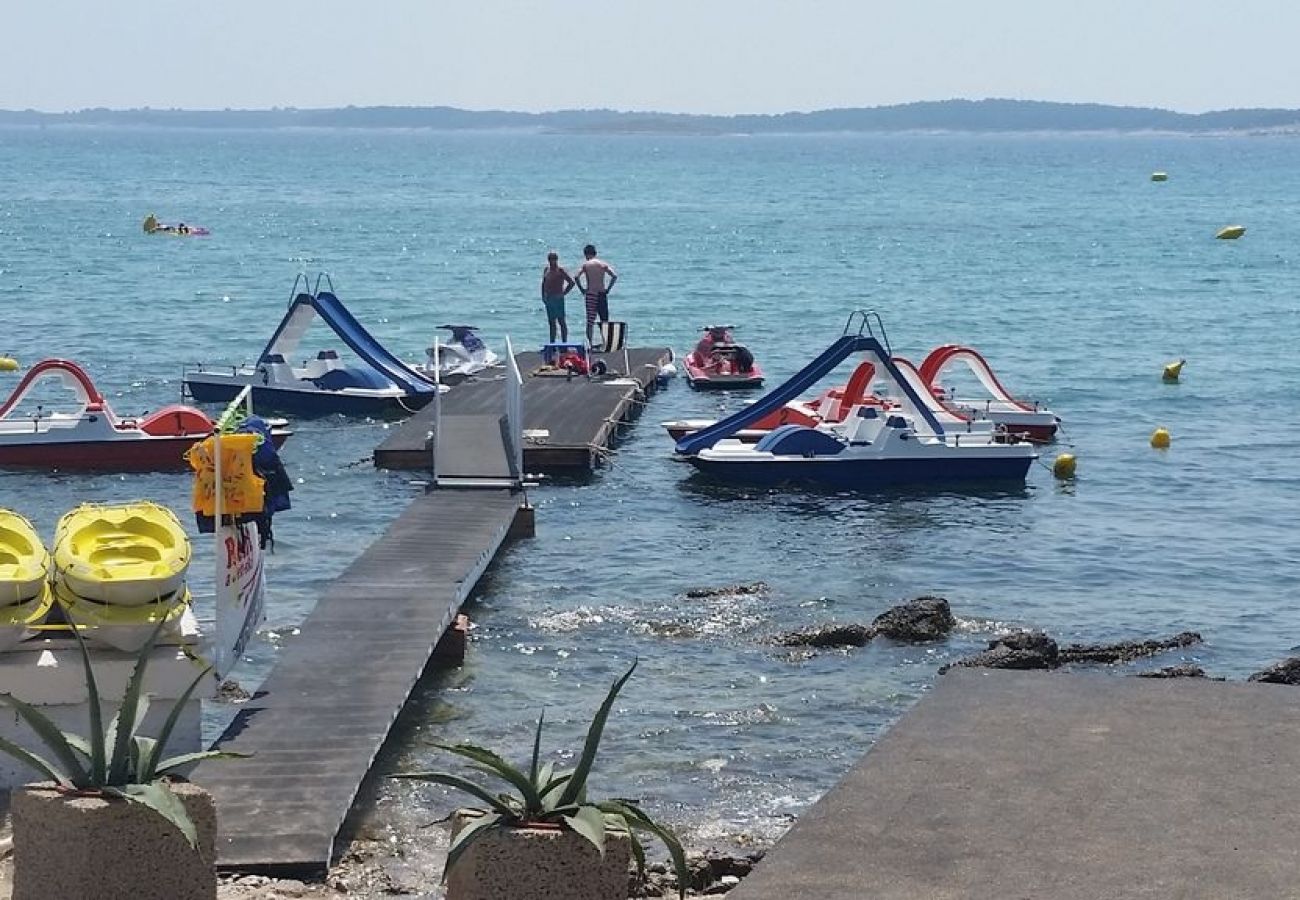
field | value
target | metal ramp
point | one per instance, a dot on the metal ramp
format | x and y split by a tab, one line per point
478	450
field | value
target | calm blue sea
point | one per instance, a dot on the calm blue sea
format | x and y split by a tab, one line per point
1056	256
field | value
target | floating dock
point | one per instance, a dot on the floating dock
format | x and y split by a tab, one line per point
569	423
319	720
1070	787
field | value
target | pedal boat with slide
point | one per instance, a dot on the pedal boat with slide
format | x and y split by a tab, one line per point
376	384
1027	421
906	444
91	436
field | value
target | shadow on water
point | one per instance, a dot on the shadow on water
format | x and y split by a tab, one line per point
819	499
575	479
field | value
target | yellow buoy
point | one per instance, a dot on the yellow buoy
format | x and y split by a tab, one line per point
8	364
1173	370
1160	439
1231	232
1063	467
1159	176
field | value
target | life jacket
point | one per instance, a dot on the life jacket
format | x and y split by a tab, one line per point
243	491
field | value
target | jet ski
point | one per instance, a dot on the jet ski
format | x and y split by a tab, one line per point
719	363
459	358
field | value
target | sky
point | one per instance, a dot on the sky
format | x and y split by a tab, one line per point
701	56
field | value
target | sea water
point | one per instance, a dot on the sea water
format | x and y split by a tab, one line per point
1055	256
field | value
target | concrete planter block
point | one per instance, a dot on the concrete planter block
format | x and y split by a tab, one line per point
537	864
91	848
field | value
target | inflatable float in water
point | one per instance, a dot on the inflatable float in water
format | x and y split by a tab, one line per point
151	225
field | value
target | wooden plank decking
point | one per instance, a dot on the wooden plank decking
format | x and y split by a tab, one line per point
318	722
568	422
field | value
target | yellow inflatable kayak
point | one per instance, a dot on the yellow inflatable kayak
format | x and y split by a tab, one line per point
25	597
18	619
24	561
126	555
124	628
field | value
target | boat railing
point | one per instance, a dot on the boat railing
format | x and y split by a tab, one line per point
300	278
201	368
864	319
316	289
195	368
42	416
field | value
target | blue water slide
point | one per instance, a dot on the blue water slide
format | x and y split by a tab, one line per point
364	345
798	384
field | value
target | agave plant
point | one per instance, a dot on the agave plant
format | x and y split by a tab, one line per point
115	761
543	795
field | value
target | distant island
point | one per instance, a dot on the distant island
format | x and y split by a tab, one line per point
933	116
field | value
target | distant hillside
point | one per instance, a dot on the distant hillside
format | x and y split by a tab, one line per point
946	115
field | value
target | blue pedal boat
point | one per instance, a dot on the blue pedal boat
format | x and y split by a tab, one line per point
376	384
905	444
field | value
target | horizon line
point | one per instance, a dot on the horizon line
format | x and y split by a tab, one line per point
639	112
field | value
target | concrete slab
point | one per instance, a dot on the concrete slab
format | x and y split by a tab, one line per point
1009	785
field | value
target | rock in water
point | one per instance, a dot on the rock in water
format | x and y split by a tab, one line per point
1182	670
919	620
832	635
1126	650
1018	650
722	885
738	867
1285	672
730	590
710	873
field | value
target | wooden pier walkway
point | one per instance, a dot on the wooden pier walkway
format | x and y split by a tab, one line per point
322	715
1068	787
319	721
568	422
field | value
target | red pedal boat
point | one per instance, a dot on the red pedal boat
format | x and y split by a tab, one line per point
1029	420
92	437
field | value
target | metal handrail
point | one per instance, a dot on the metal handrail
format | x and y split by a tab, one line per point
306	286
328	280
864	318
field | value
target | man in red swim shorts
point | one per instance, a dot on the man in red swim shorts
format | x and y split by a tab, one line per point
591	280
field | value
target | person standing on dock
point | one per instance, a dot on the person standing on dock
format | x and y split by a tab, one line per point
596	289
556	284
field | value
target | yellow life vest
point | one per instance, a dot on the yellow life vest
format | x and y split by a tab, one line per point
243	490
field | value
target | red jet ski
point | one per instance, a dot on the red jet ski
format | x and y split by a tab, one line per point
719	363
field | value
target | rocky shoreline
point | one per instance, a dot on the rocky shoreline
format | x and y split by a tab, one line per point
928	619
381	865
